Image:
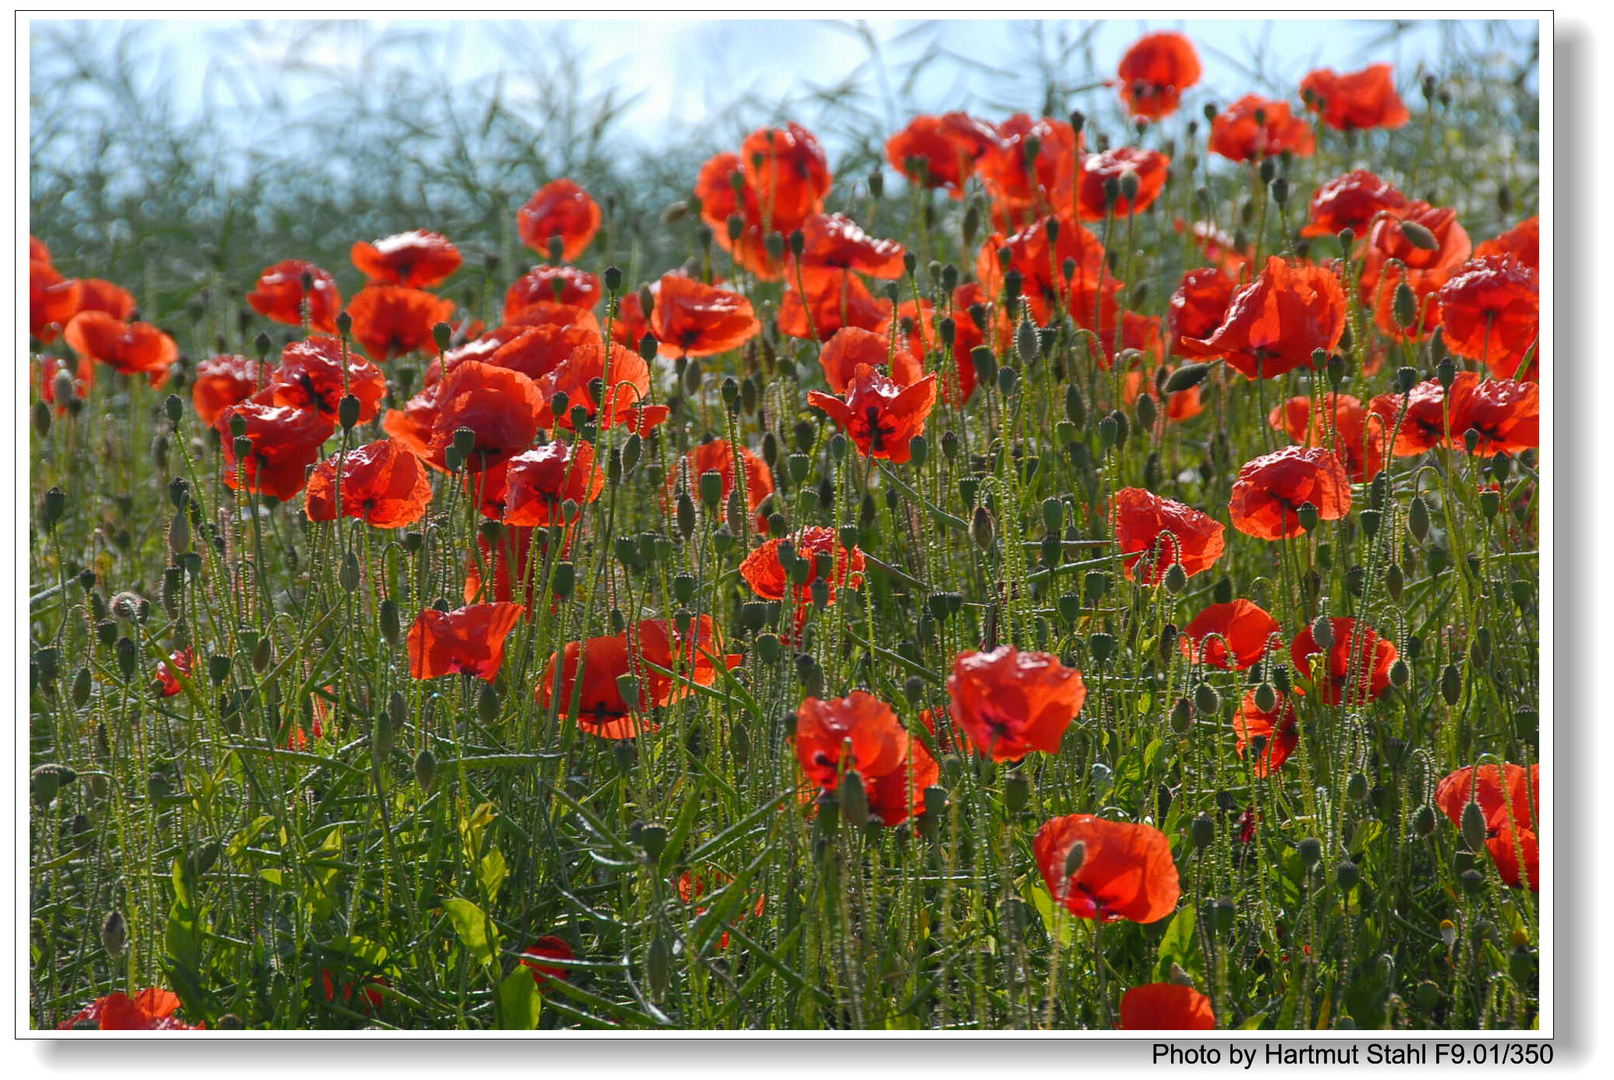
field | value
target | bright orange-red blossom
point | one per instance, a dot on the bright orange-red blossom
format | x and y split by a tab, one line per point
1163	532
1279	727
546	284
836	242
880	416
1356	668
1166	1006
691	318
1197	309
169	671
1270	490
601	707
1040	251
940	151
311	375
1254	127
150	1010
1122	871
894	767
1424	425
765	572
1357	100
1011	702
1232	636
222	381
1155	71
1523	242
1276	323
1358	443
559	208
834	298
417	259
383	485
284	443
548	947
537	482
1351	201
390	320
788	171
629	385
466	641
718	456
1506	413
1509	797
501	407
280	294
850	347
1148	166
1491	311
131	348
1021	187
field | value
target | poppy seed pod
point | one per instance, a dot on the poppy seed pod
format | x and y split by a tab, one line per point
1310	850
1202	831
1451	685
1347	875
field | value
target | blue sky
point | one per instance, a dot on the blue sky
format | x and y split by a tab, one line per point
680	70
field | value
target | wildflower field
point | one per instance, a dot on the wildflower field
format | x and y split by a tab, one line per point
1041	569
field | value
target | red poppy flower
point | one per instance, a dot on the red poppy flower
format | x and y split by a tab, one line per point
824	554
1275	324
1254	127
1355	101
1270	489
37	251
82	377
1166	1006
383	485
602	710
940	151
1359	444
559	208
150	1010
390	320
1426	270
222	381
718	456
1424	426
551	285
1117	330
97	295
168	672
860	728
836	242
534	351
529	488
1505	412
131	348
1351	201
1232	636
417	259
1041	263
1523	242
412	425
850	347
1491	311
1155	71
1494	788
1122	872
1198	308
514	566
1011	702
715	188
1149	166
835	298
1279	727
880	416
1022	189
285	442
629	326
901	792
370	993
312	375
1219	247
501	406
789	173
548	947
629	380
915	323
52	301
1504	851
692	318
1144	521
467	641
279	295
1367	659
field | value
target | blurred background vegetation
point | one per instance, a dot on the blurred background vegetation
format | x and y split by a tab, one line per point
263	141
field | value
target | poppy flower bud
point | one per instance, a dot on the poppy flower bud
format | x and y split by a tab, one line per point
347	411
1146	411
1356	787
1280	190
692	377
1016	793
1266	698
1025	341
1075	858
114	933
1182	715
425	769
982	528
1206	700
262	653
125	652
1445	373
1346	875
1175	579
1112	191
1202	831
1474	828
1405	306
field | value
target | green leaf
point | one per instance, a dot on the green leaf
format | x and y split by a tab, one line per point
475	931
493	870
520	1004
1177	946
1058	924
